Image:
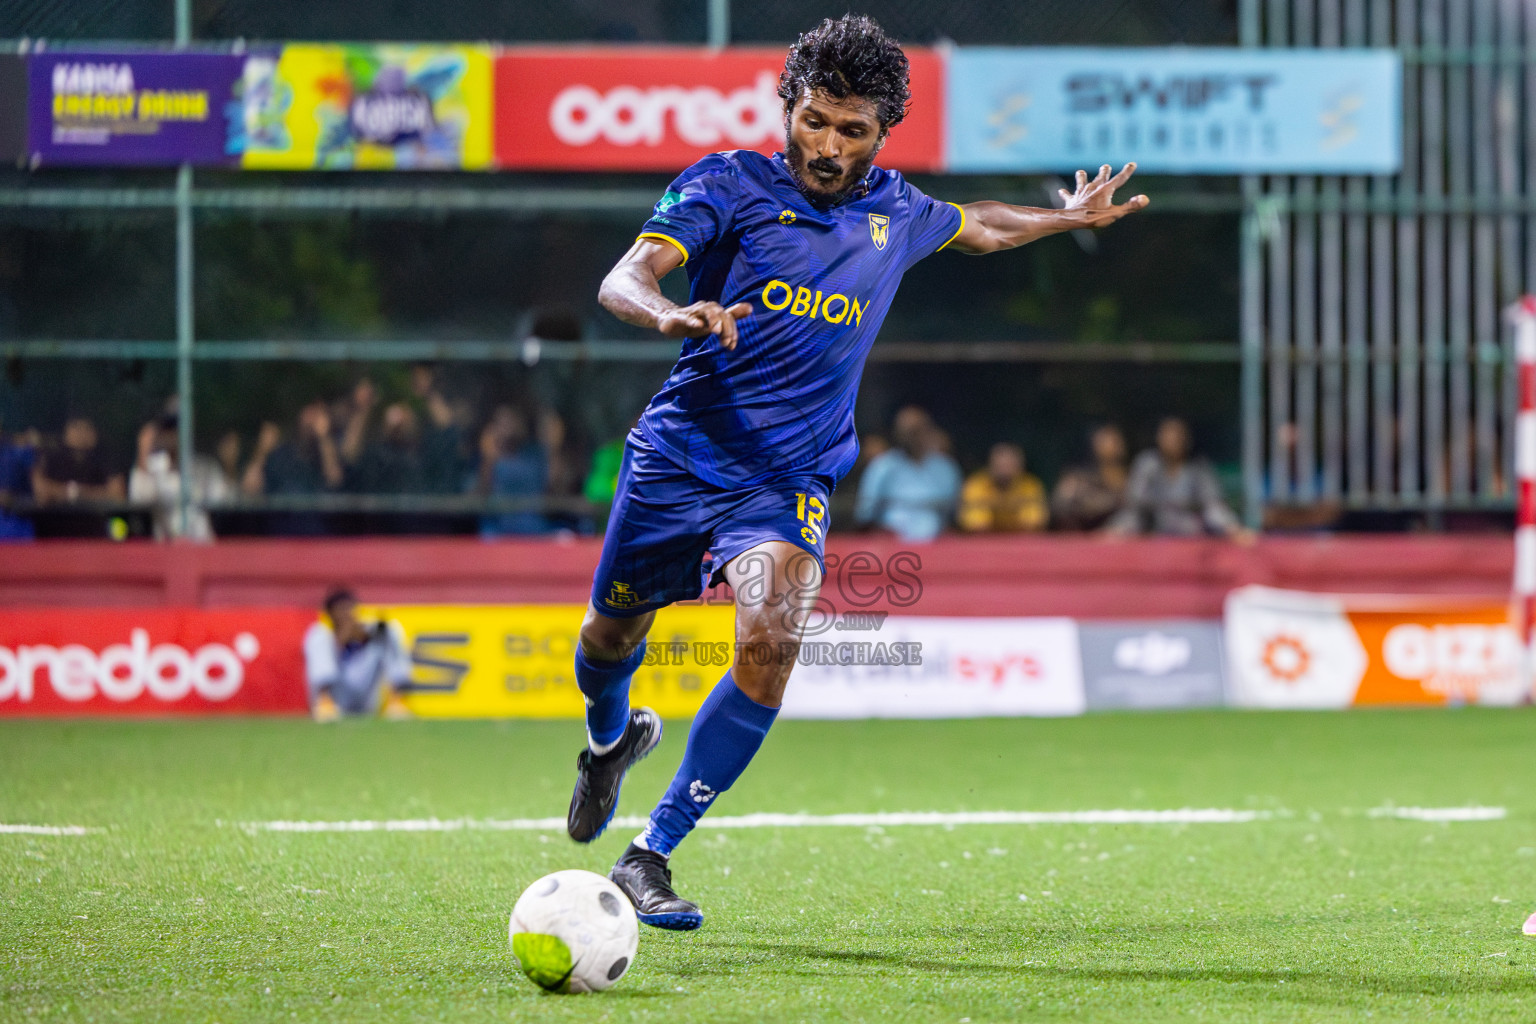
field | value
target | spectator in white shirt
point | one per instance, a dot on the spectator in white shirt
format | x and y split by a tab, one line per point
353	667
156	481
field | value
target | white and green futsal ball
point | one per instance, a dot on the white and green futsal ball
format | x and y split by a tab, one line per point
574	931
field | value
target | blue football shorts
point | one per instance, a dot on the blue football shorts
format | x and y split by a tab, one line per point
671	534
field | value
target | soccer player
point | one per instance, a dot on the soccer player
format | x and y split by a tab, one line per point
792	263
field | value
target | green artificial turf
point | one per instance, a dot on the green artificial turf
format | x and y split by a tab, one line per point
1319	912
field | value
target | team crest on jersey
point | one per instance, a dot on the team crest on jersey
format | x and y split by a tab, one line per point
879	229
787	217
620	595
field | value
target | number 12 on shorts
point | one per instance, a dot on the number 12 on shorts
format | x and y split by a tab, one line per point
810	511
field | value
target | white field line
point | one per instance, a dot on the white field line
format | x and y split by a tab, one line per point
45	830
1185	816
1440	813
1181	816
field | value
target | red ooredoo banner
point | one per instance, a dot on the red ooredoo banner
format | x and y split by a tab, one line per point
661	109
71	661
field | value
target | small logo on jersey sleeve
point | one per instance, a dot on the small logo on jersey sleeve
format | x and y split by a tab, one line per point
621	595
787	217
879	229
667	201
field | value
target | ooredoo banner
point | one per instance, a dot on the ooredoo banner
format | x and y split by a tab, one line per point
661	109
152	662
1297	650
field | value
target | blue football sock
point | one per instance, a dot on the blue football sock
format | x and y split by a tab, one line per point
726	733
605	684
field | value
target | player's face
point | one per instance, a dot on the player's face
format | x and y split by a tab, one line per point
832	141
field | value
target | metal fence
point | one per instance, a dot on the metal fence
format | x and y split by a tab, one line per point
1375	370
198	194
1036	23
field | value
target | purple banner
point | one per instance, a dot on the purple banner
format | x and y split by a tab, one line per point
120	108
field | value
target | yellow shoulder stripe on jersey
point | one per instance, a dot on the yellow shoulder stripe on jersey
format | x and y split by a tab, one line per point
667	238
958	229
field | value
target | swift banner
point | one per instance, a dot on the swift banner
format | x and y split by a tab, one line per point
661	109
1178	111
129	108
1295	650
69	661
365	107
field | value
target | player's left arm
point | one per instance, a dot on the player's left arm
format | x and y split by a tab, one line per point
992	226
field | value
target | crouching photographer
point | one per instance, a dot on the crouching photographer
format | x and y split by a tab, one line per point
354	667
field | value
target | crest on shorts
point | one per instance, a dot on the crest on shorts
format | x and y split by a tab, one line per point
621	596
879	229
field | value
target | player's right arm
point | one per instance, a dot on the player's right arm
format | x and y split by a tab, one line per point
632	292
693	216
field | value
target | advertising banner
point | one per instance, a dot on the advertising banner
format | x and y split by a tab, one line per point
129	108
111	661
1296	650
1178	111
515	661
368	106
1163	664
661	109
921	667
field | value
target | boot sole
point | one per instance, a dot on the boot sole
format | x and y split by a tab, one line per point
672	922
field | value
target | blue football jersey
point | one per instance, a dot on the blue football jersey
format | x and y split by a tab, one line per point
820	282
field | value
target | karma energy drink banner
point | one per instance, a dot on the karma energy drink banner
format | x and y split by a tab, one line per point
365	107
130	108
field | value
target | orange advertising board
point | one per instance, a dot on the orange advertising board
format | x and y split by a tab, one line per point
1296	650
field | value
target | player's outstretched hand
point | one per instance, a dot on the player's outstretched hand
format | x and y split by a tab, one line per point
1096	198
703	318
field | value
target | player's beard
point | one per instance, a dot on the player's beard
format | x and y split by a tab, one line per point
795	157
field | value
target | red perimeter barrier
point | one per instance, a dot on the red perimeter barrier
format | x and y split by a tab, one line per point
1082	577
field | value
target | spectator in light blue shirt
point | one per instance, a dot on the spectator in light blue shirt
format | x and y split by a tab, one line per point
912	489
512	465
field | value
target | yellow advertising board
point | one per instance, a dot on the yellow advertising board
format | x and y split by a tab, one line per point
369	106
516	661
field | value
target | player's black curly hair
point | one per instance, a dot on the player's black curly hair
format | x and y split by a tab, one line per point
849	56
